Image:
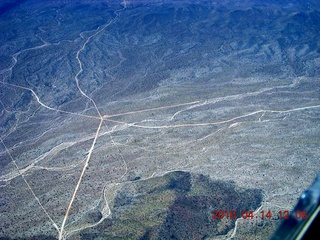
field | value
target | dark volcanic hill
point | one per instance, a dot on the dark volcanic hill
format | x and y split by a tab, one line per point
178	205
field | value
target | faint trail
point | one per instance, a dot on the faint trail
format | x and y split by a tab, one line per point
119	151
105	213
235	228
238	219
29	187
14	56
46	106
214	123
50	153
150	109
80	63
